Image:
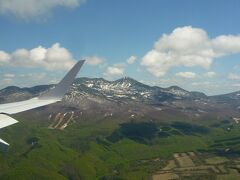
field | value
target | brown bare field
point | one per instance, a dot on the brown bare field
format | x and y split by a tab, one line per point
198	168
182	166
165	176
184	160
171	164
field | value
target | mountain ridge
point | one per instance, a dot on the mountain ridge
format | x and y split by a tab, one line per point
45	86
95	94
124	82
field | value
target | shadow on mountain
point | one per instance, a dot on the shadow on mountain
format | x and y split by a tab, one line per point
140	132
189	129
145	132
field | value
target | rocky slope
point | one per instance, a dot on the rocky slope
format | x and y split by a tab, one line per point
97	94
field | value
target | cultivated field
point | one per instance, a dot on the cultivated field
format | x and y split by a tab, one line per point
183	166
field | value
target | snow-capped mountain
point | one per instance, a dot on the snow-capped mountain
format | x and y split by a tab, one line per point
127	89
98	93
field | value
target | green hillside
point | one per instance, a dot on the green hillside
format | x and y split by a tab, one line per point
105	149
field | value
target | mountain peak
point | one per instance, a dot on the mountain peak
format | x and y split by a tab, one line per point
127	79
176	88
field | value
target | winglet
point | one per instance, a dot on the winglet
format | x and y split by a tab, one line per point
62	87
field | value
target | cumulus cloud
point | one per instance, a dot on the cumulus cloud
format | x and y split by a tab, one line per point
187	75
94	60
30	9
189	47
4	57
8	81
115	70
233	76
131	59
226	44
35	76
9	75
210	74
206	85
53	58
236	85
201	83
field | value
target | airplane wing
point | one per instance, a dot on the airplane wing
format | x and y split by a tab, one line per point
52	96
4	122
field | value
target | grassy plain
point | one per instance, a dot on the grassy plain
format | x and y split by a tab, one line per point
89	149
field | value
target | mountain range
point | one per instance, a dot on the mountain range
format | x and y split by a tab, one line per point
128	96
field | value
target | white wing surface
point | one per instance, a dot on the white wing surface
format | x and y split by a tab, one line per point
13	108
4	122
52	96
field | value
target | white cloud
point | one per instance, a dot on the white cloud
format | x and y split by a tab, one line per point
8	81
53	58
131	59
210	74
34	76
94	60
187	75
115	70
236	85
226	44
206	84
4	57
232	76
189	47
30	9
201	83
9	75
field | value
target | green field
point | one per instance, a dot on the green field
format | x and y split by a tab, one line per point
106	149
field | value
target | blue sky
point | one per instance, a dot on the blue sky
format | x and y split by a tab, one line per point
200	50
